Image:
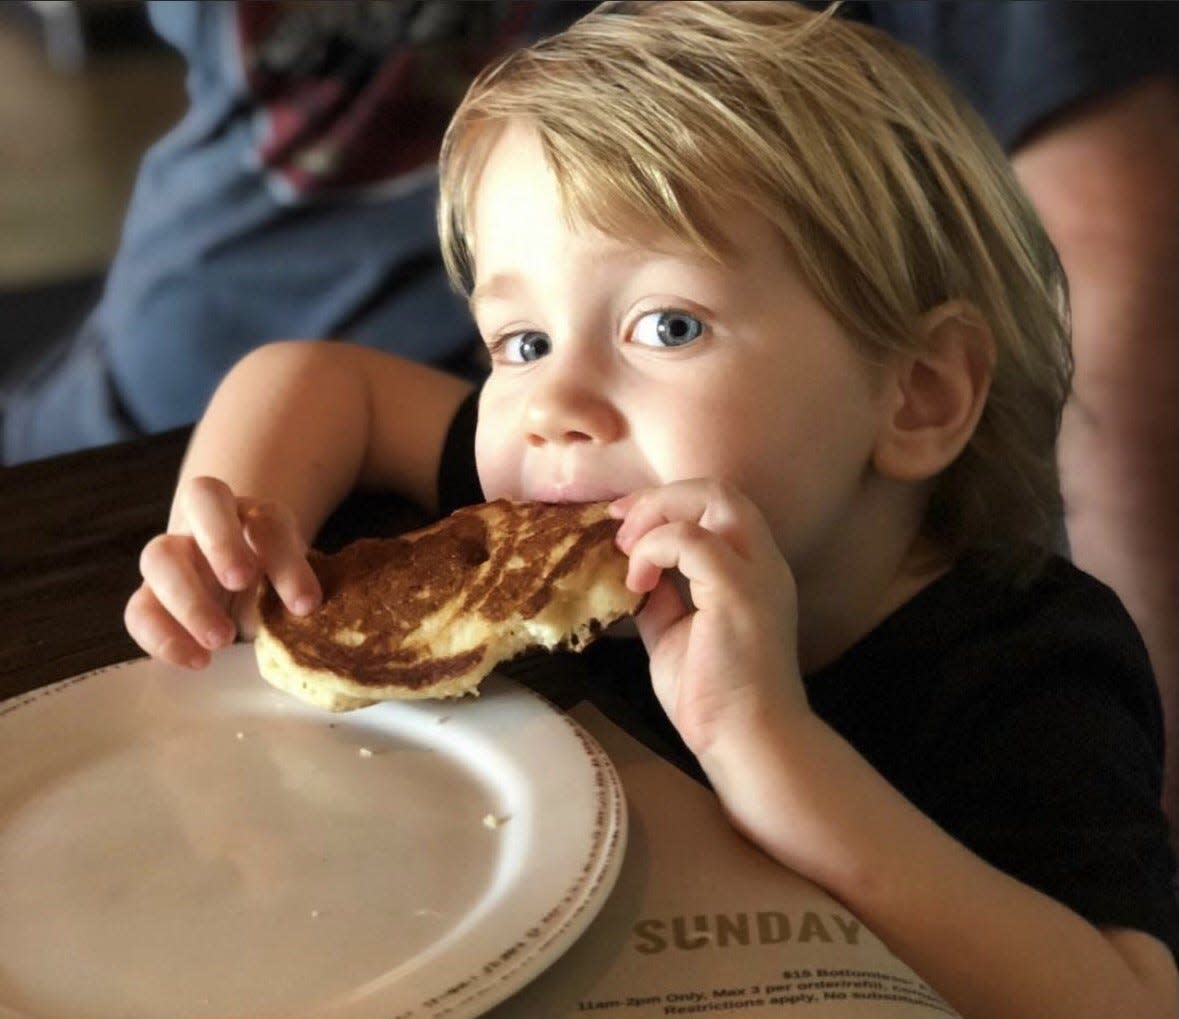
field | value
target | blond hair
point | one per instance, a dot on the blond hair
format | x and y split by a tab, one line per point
890	192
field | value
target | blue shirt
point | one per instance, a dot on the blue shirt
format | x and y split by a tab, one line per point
296	197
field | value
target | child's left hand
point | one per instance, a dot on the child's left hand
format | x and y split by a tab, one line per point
729	659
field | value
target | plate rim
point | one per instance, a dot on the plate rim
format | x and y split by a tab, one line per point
487	982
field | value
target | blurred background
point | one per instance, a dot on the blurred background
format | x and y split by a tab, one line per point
85	87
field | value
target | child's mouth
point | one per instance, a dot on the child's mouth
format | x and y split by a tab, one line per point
574	492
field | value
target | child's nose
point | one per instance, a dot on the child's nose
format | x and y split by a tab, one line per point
570	410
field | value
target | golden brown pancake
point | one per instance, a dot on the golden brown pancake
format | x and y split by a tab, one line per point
430	613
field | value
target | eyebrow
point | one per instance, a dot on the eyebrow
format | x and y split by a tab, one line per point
501	285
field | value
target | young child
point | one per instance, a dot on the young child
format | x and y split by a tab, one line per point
754	274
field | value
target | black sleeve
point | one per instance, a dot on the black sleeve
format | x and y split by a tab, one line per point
458	480
1020	63
1092	837
1056	775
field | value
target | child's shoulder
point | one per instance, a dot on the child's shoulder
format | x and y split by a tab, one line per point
1062	620
974	650
1056	611
1035	671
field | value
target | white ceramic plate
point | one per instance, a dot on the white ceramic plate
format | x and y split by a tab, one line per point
178	845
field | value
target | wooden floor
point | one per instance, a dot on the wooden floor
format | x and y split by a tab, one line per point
69	146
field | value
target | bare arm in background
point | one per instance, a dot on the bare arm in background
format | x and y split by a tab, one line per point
1104	177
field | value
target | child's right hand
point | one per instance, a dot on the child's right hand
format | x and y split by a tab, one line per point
200	579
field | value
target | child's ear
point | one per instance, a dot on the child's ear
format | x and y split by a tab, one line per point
938	392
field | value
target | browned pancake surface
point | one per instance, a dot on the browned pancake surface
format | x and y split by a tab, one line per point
495	562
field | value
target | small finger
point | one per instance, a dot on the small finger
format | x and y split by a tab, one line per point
185	591
284	560
664	608
212	513
621	506
159	635
715	505
710	564
641	511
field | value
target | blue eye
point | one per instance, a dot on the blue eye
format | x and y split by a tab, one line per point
525	346
667	329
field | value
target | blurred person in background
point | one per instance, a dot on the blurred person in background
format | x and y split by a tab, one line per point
296	199
1085	96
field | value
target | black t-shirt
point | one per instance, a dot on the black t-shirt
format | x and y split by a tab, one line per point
1024	721
1027	724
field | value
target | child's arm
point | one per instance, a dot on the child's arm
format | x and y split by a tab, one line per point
727	674
292	429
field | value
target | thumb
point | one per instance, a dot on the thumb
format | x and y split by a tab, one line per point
665	607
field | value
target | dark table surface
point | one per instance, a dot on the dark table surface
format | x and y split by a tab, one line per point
71	530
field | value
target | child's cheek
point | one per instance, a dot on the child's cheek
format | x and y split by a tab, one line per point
500	445
496	478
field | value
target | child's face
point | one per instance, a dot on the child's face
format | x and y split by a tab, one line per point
617	366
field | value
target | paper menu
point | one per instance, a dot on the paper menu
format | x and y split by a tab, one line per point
701	923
